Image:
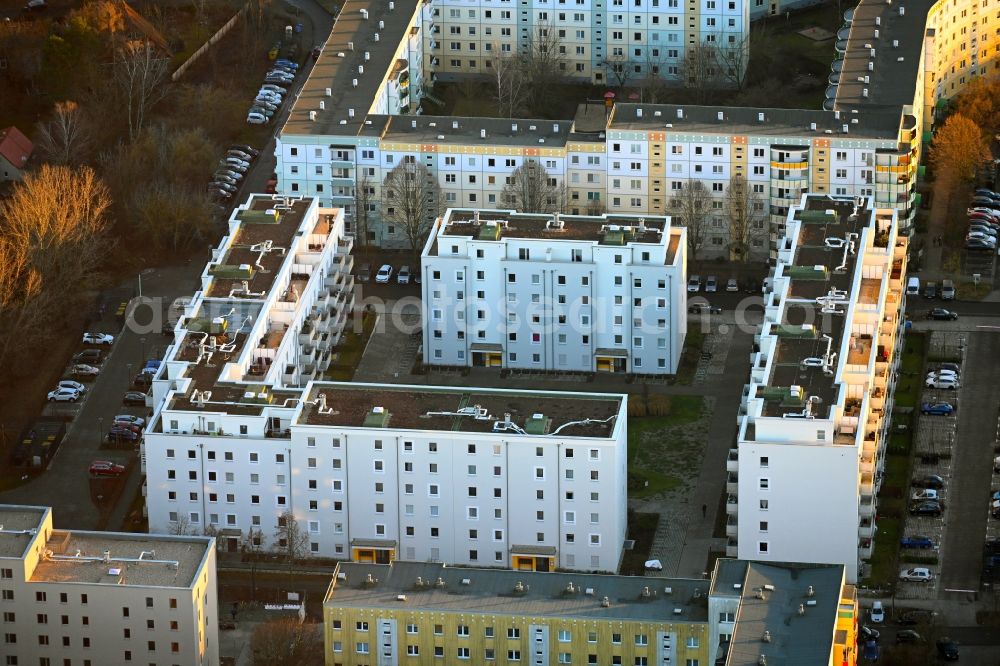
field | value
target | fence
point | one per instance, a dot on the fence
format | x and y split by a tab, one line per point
219	34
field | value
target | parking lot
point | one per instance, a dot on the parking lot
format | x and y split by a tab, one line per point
79	501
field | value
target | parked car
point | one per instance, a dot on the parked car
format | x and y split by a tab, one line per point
264	111
929	481
64	395
239	154
123	435
930	508
947	290
70	384
877	613
937	408
949	367
699	308
219	193
996	465
317	50
218	184
230	173
940	314
943	373
264	104
908	636
84	371
365	272
870	650
979	246
128	419
287	62
384	274
947	649
870	633
250	150
925	494
943	383
916	575
134	398
274	87
256	119
732	284
106	468
98	339
233	167
403	277
694	283
35	6
88	356
711	284
916	542
223	178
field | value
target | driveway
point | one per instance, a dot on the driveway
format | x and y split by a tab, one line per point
971	472
66	484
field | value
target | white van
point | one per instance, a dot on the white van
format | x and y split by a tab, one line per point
913	286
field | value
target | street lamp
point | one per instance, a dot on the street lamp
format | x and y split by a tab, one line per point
142	350
100	430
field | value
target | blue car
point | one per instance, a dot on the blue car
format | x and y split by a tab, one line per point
937	408
870	651
916	542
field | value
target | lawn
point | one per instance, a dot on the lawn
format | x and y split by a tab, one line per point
694	340
349	351
657	445
641	529
911	369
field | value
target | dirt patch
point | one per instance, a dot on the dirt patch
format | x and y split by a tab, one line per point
665	453
816	34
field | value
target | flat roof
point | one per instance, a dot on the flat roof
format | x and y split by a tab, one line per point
494	225
353	36
893	77
795	639
260	247
779	123
401	407
18	526
492	592
519	132
826	253
728	577
167	561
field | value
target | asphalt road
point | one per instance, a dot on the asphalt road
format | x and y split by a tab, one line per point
971	473
66	484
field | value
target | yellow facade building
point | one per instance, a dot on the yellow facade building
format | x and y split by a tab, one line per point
428	613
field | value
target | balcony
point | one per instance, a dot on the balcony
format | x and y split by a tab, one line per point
732	483
865	548
867	485
866	528
732	548
733	461
732	526
732	505
867	508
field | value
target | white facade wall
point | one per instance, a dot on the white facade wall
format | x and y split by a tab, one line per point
343	484
80	622
548	311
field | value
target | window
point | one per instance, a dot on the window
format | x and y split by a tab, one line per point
765	484
565	636
641	639
763	461
513	632
762	547
692	642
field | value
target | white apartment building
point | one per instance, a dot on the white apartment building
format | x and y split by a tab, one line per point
377	472
804	476
85	598
242	435
599	41
555	292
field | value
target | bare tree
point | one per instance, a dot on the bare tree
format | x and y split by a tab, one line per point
616	67
252	544
508	81
364	201
746	212
411	198
291	541
543	64
595	207
181	526
139	79
653	87
66	137
531	189
732	57
287	641
698	68
52	240
690	207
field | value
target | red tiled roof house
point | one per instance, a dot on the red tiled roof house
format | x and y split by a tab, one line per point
15	151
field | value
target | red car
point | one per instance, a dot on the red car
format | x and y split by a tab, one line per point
106	468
